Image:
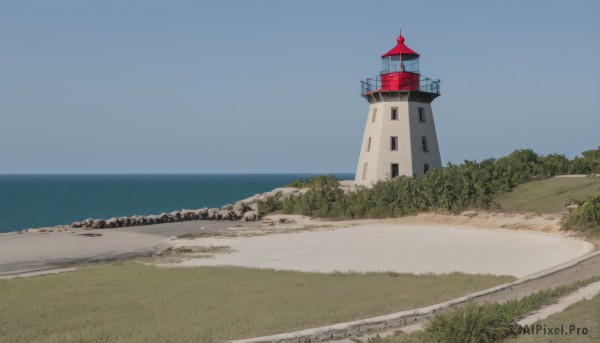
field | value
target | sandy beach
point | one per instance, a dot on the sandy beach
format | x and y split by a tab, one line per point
398	248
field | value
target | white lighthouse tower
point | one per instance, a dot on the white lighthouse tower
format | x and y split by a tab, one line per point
399	136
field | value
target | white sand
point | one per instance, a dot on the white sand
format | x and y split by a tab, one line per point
399	248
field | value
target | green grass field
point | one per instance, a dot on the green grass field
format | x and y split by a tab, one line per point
550	195
131	302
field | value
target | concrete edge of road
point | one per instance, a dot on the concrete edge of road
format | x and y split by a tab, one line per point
343	330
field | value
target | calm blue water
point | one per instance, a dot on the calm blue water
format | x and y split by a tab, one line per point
29	201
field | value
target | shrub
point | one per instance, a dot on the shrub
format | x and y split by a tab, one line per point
472	323
586	217
270	204
453	188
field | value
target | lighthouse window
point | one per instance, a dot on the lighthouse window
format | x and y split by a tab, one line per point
365	166
369	144
394	143
394	113
409	63
425	168
391	64
422	115
394	170
424	144
374	115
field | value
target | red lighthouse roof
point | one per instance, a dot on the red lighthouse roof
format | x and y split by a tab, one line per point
400	49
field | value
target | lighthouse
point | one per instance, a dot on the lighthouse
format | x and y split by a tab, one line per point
399	136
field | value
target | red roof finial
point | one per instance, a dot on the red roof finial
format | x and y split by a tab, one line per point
400	39
400	49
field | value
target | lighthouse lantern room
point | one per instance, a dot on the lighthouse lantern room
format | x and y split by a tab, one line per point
399	136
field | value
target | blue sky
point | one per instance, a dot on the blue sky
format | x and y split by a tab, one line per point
273	86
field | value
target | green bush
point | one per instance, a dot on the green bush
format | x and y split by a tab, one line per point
586	217
270	204
453	188
589	163
311	181
472	323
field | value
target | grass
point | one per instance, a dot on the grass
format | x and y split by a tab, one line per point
131	302
585	313
488	322
255	232
550	195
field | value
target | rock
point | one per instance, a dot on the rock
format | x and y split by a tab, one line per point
224	215
186	214
176	215
76	225
227	207
239	206
250	216
211	213
99	224
572	207
203	212
137	220
123	221
88	222
238	214
164	218
253	207
133	221
199	214
112	222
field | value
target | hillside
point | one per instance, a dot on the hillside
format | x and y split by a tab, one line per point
550	195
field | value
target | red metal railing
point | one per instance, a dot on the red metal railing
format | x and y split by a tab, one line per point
424	84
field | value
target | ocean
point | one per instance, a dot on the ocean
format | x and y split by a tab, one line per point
31	201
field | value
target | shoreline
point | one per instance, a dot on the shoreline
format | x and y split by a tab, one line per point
58	200
233	212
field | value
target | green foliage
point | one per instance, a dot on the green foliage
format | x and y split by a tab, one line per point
588	164
311	181
325	193
453	188
473	323
586	217
270	204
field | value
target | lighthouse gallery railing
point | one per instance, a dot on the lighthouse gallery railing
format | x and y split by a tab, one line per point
426	84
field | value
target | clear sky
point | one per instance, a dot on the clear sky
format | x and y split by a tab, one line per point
273	86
